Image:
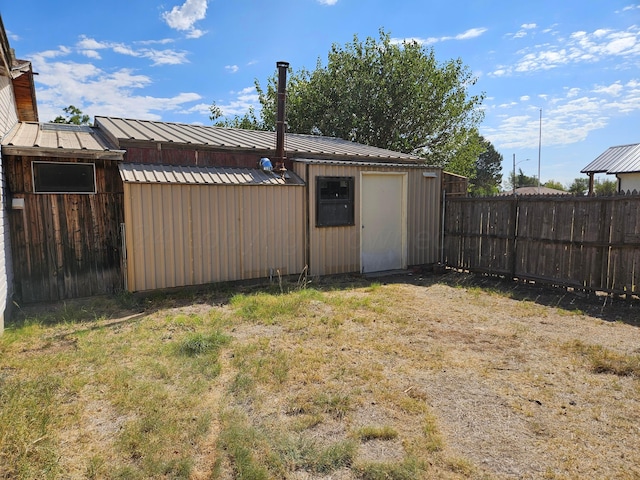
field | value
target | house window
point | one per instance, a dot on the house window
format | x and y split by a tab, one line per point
57	177
334	201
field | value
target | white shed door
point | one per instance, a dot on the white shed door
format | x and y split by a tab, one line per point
383	222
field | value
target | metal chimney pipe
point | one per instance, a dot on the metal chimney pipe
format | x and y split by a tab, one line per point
280	121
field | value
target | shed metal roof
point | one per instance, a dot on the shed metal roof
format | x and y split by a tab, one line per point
38	139
619	159
194	175
315	161
126	130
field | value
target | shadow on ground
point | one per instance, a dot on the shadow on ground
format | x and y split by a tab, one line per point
128	307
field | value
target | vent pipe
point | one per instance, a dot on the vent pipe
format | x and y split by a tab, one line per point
280	120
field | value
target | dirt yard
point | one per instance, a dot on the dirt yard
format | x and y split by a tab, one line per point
472	377
518	392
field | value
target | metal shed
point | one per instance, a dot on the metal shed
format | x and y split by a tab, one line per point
193	225
387	215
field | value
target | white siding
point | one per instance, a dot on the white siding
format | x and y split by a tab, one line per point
629	181
8	118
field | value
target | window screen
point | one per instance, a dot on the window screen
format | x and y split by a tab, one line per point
334	201
55	177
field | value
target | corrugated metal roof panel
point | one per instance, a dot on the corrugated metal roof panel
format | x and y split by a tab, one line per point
194	175
620	159
54	136
313	161
148	130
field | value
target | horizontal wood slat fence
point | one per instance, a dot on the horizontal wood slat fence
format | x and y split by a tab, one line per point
590	243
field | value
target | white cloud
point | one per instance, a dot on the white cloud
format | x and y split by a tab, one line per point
86	43
566	119
573	92
628	7
91	54
231	68
239	104
578	47
524	28
614	89
471	33
62	82
525	98
327	2
466	35
183	18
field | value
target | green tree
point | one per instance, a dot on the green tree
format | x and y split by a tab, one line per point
248	121
605	187
580	186
488	171
388	95
521	180
74	116
554	184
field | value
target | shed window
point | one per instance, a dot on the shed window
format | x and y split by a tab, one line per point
58	177
334	201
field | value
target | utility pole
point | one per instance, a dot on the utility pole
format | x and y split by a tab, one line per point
539	149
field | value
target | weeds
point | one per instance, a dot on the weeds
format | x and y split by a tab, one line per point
201	344
408	469
366	434
604	360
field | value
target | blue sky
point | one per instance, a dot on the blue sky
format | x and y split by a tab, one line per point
577	61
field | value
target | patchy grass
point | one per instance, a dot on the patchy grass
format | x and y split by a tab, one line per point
605	360
359	381
364	434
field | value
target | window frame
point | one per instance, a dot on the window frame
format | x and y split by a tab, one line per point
37	186
349	202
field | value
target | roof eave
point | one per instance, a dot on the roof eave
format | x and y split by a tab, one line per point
62	153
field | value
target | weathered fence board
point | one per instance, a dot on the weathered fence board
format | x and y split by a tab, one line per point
592	243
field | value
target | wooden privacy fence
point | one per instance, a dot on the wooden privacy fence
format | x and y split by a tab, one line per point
591	243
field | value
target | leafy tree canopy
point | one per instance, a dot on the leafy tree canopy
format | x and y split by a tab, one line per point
388	95
521	180
488	171
248	121
554	184
605	187
580	186
74	116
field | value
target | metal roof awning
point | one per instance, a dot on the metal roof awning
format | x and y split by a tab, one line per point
619	159
58	140
196	175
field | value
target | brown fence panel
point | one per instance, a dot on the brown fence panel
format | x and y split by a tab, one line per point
591	243
479	234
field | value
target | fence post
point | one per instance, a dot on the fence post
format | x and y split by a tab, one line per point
514	235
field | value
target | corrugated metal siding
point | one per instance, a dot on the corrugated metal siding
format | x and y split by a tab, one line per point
180	235
335	250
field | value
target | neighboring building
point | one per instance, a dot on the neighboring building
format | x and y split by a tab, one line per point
623	161
17	103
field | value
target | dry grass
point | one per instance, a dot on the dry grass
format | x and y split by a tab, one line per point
414	379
